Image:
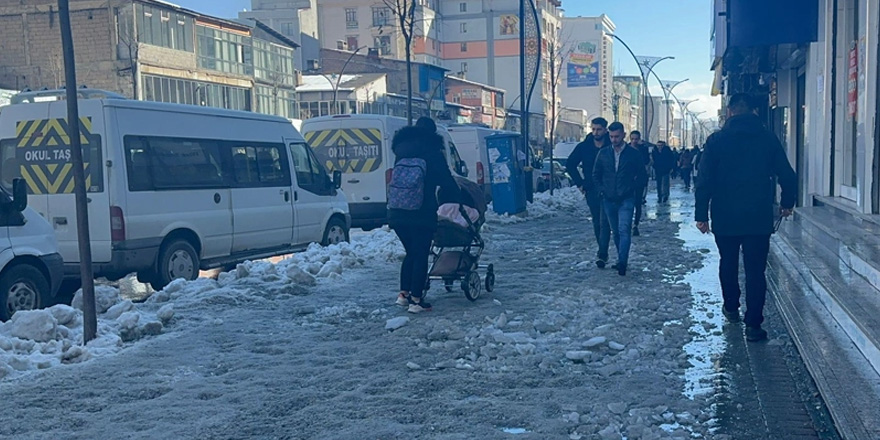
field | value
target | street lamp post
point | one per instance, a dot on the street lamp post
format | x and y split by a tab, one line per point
339	78
668	86
646	66
683	105
694	119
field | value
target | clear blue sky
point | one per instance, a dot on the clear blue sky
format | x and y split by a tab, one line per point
678	28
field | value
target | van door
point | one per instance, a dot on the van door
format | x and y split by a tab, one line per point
45	164
312	194
262	196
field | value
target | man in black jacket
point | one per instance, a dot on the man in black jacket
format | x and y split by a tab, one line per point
664	161
584	155
737	169
644	147
619	175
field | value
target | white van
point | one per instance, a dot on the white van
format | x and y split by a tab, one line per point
471	143
31	268
360	147
172	188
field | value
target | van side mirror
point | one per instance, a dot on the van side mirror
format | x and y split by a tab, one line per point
462	169
337	179
19	194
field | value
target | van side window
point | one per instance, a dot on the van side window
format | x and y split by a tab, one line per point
310	175
156	163
260	165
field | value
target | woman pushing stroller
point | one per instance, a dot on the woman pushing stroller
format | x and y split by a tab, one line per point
420	169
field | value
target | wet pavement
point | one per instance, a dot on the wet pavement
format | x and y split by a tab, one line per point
757	390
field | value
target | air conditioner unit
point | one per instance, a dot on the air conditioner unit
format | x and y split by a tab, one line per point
340	45
312	65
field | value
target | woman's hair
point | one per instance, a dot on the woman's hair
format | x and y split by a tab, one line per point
427	124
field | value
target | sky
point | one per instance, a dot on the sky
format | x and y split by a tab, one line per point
678	28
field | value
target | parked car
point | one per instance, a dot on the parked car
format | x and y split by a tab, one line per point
359	146
561	179
172	188
31	268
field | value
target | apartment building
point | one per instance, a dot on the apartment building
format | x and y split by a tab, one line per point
373	25
481	41
151	50
295	19
588	80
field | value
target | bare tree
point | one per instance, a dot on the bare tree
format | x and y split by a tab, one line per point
129	42
404	12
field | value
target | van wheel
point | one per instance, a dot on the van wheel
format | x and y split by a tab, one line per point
21	288
335	233
178	259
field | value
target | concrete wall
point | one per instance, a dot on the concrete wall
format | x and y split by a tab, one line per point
30	46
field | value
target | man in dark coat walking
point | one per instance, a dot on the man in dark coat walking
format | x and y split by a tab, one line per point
644	148
664	161
619	175
584	156
737	171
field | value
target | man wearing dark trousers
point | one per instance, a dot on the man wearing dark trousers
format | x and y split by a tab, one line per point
619	175
664	162
635	140
737	169
584	156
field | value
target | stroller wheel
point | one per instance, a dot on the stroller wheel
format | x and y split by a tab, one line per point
490	282
449	284
472	285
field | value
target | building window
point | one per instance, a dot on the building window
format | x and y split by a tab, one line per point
351	18
288	28
383	43
273	64
462	7
182	91
163	28
464	47
225	51
381	17
351	43
463	28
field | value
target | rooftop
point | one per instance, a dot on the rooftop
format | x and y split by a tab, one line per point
327	83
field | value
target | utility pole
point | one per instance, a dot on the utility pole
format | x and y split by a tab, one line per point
90	320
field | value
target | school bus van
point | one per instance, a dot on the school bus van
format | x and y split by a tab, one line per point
359	146
172	188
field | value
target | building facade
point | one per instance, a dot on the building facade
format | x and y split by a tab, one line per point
374	26
588	80
633	84
151	50
295	19
487	101
323	95
481	43
818	82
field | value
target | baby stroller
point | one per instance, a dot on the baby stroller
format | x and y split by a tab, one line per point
457	245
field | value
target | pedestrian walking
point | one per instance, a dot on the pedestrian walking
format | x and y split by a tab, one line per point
584	157
644	147
419	170
619	175
686	164
737	169
664	161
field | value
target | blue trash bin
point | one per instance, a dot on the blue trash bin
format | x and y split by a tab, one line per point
506	173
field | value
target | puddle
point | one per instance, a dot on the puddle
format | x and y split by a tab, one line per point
515	430
708	343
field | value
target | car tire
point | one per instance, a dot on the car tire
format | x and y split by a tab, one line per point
22	287
178	259
335	233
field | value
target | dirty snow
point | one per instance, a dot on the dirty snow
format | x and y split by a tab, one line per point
314	347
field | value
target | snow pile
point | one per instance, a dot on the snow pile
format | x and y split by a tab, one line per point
5	96
545	205
40	339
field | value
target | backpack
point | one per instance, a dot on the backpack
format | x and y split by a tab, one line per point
406	190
